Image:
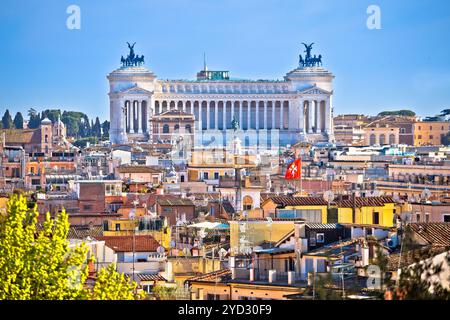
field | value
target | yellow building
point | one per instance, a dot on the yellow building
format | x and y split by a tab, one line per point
247	234
429	133
158	229
378	211
312	209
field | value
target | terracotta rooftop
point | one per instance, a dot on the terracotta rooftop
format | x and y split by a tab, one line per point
174	201
215	276
364	202
435	233
138	169
142	243
22	136
298	201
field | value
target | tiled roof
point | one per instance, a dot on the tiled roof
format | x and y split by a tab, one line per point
321	226
22	136
174	201
137	169
215	276
146	276
142	243
412	256
436	233
299	201
365	202
76	232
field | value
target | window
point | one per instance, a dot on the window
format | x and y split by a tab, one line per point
431	127
419	136
402	130
376	218
166	128
417	217
320	238
431	136
427	217
117	226
446	217
87	207
216	175
420	128
205	175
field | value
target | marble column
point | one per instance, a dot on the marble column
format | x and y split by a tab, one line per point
273	114
249	105
327	115
240	114
265	115
207	115
131	116
281	115
139	115
310	115
257	115
224	115
216	115
319	116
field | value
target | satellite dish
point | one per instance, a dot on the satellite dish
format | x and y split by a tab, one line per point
374	193
328	196
396	197
202	233
160	249
426	194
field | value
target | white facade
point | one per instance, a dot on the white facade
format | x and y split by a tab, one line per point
300	107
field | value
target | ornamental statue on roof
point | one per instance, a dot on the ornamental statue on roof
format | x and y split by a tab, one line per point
309	61
132	59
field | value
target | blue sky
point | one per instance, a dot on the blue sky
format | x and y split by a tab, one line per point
404	65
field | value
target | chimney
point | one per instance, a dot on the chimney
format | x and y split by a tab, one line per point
272	276
291	277
252	274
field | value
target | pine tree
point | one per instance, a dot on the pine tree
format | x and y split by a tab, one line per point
18	121
105	127
96	128
7	121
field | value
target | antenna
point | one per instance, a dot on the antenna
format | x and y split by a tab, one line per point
205	67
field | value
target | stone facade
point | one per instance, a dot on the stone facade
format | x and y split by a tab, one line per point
297	108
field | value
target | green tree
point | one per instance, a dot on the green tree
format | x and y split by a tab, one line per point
111	285
164	293
18	121
105	128
420	282
38	264
7	122
407	113
34	119
97	128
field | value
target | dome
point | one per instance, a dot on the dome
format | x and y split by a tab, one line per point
46	121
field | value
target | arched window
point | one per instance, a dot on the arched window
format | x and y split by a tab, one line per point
46	138
391	139
373	139
188	128
382	139
166	128
247	203
176	128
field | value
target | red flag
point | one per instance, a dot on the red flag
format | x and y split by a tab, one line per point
294	171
